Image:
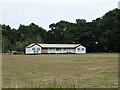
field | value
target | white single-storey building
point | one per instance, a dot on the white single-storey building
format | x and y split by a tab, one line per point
55	49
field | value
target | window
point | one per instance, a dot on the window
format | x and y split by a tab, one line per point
33	49
78	49
51	49
38	49
64	49
82	49
58	49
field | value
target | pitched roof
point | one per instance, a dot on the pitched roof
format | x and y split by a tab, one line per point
55	45
31	45
59	45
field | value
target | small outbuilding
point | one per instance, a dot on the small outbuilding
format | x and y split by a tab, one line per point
37	48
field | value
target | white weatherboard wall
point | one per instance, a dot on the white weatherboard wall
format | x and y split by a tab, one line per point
33	50
61	50
80	49
55	48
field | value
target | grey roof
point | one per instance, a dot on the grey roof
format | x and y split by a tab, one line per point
55	45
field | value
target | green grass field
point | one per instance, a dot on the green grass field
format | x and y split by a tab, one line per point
54	71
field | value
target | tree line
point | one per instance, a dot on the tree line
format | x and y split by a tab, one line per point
99	35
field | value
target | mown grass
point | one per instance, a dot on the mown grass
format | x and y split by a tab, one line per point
55	71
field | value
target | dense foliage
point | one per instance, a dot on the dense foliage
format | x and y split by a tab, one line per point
100	35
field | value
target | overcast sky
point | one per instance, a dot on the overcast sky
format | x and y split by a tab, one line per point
46	12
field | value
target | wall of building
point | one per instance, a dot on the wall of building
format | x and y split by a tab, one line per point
33	50
44	50
36	49
61	50
80	49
